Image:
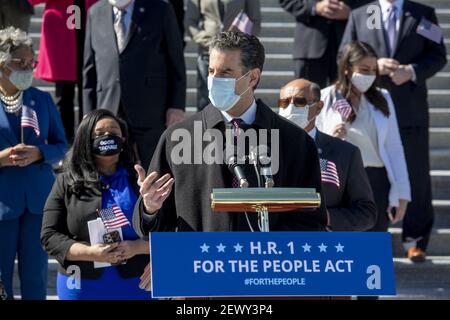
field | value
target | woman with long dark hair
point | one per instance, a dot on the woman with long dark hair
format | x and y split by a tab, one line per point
358	111
98	175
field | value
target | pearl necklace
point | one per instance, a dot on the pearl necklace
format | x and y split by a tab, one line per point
12	104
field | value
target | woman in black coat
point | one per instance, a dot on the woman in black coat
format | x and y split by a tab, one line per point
98	175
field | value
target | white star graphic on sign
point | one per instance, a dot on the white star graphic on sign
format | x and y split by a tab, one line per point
306	248
339	247
323	248
220	248
204	248
238	247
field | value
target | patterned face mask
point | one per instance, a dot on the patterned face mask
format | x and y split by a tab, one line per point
107	145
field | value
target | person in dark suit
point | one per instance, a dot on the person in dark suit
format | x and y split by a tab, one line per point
347	190
318	33
134	67
95	178
406	60
236	62
178	7
26	158
15	13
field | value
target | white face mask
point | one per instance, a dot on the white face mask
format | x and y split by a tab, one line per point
222	92
362	82
119	3
21	79
297	115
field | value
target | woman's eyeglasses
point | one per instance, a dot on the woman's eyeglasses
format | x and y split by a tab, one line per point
23	64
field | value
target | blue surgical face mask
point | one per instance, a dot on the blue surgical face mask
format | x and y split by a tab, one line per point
222	92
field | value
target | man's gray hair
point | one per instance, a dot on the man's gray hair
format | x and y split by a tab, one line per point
252	51
12	39
315	90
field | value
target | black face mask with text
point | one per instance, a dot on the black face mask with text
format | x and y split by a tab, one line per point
107	145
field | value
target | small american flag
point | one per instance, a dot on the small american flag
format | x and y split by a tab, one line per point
430	30
113	217
29	120
146	279
243	23
329	172
342	106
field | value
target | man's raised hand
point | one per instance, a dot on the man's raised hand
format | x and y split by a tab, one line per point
154	190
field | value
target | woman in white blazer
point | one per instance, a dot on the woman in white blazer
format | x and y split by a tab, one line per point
357	111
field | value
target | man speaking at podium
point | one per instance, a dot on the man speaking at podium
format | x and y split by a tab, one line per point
176	195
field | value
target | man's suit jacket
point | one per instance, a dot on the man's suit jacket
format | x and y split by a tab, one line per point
188	208
203	20
350	205
427	57
178	7
65	223
147	77
27	187
312	32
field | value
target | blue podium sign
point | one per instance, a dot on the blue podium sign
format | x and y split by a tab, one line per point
238	264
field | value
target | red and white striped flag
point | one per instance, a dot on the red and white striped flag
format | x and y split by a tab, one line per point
29	120
243	23
329	172
113	218
146	279
342	106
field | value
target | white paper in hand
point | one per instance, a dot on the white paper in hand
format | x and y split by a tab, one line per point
96	231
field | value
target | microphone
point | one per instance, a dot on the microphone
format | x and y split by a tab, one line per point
253	155
266	167
237	171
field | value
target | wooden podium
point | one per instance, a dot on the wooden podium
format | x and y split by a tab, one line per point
263	201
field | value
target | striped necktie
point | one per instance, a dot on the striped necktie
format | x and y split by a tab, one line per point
120	29
392	28
236	123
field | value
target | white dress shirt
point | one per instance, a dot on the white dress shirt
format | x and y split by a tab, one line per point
248	116
363	133
385	5
312	133
129	12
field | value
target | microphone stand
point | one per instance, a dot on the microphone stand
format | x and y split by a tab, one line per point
263	212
